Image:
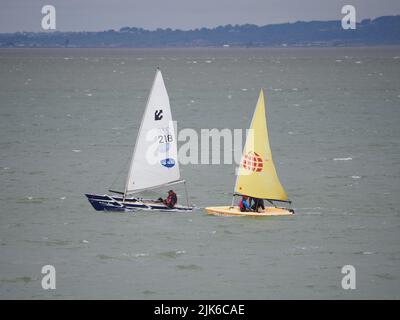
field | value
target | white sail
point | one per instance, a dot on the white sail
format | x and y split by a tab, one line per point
154	162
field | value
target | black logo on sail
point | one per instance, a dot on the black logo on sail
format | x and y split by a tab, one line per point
158	115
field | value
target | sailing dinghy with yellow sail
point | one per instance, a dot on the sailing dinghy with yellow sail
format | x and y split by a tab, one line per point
257	177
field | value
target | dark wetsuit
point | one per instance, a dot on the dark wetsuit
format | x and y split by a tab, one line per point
257	203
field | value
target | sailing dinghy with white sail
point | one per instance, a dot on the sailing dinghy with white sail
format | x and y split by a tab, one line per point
154	162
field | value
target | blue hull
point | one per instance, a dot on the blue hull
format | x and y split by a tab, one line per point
110	203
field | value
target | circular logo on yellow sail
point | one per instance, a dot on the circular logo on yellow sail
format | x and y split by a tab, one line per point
253	162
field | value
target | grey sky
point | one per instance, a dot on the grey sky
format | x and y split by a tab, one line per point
93	15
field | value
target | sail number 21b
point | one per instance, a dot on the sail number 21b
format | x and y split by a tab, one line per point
165	138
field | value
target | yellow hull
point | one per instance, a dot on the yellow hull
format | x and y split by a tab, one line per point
235	211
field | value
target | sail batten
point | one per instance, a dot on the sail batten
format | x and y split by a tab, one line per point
154	161
257	176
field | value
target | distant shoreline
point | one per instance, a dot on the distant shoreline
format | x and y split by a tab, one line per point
382	31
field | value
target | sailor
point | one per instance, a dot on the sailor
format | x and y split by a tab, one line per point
171	200
257	203
244	205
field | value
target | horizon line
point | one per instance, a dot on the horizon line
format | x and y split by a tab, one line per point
194	29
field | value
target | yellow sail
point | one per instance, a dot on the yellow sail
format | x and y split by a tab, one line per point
257	175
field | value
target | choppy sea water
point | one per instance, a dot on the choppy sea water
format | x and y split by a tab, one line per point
68	122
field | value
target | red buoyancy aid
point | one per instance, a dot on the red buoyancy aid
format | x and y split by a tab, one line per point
171	199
